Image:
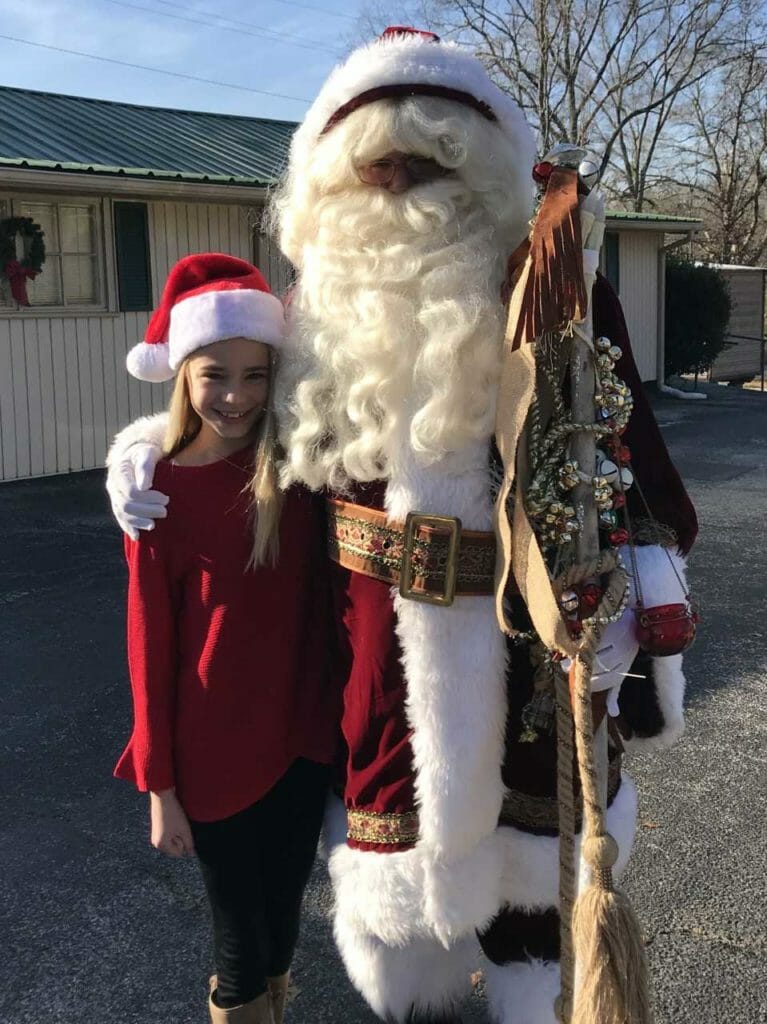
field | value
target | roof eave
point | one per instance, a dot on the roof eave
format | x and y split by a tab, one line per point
669	227
158	185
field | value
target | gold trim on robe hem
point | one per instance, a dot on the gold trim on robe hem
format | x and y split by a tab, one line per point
380	828
520	810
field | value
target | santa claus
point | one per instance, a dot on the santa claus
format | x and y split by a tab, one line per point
408	187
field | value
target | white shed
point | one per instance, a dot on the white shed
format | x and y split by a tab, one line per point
634	260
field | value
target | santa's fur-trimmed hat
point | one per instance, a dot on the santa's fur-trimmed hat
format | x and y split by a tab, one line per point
208	297
406	62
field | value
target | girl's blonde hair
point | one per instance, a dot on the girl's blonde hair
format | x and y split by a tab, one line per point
263	488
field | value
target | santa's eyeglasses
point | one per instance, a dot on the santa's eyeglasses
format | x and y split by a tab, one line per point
419	169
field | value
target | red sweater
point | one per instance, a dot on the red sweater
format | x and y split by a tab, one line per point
228	667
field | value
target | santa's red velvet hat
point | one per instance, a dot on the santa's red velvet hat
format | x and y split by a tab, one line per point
208	297
406	62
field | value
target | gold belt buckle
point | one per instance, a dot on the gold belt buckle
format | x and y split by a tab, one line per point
452	526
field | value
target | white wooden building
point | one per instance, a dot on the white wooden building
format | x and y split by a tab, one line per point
122	192
634	260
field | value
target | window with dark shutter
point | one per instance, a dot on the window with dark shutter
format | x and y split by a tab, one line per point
612	260
134	279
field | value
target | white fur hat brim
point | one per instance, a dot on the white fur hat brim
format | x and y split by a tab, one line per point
400	60
204	319
213	316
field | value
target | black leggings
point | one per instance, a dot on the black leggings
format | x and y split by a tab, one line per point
255	866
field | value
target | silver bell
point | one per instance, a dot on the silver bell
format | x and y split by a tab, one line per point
588	172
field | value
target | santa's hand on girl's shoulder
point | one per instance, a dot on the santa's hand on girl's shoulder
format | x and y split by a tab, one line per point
135	505
130	468
170	831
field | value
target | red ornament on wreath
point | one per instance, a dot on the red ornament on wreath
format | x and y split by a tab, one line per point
19	271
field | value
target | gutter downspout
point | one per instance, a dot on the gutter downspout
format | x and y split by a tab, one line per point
660	365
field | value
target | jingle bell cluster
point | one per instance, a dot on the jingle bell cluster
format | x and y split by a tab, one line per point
554	516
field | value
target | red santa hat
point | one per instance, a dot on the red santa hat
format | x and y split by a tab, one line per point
208	297
407	62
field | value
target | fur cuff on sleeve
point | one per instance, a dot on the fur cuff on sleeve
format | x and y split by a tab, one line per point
651	708
145	430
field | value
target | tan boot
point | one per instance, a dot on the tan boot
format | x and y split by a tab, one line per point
278	994
257	1011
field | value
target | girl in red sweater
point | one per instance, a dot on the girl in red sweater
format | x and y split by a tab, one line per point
234	726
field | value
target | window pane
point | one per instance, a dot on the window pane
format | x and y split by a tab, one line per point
43	214
132	246
77	229
80	279
45	290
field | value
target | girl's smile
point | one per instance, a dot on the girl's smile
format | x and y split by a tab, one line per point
228	389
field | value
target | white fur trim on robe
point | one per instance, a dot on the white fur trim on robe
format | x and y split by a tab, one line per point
530	880
393	895
668	676
144	430
522	993
662	575
394	979
454	663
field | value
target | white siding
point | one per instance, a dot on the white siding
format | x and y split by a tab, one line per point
639	295
64	389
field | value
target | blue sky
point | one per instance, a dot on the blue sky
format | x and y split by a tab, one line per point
233	44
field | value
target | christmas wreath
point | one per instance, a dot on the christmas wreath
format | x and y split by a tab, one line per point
17	271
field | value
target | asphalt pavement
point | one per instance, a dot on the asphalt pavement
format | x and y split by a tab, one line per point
95	926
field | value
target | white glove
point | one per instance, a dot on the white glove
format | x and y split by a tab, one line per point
129	480
618	646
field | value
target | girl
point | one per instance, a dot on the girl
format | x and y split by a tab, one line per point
233	723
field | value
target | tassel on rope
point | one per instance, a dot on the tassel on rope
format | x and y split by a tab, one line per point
600	935
607	942
606	937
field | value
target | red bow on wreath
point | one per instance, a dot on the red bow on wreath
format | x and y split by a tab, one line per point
17	278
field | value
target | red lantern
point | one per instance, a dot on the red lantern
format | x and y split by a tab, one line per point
619	500
542	171
619	536
624	455
666	629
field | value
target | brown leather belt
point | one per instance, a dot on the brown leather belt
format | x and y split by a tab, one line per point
430	558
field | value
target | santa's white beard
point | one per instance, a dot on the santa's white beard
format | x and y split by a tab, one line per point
395	334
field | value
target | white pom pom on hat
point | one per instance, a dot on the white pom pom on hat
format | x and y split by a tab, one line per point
208	297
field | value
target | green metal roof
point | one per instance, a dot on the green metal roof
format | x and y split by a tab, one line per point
46	131
647	217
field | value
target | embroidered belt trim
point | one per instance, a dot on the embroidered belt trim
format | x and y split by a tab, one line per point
520	810
374	827
364	540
